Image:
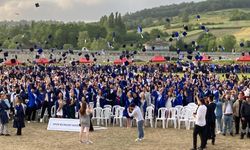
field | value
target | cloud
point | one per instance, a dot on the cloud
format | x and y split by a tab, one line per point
73	10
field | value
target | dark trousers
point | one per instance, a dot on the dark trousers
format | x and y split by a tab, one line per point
237	121
31	111
19	131
44	106
198	130
210	131
244	125
91	128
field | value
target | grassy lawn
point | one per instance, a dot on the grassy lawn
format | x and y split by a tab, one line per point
36	137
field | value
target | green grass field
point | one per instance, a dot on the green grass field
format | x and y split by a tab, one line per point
219	21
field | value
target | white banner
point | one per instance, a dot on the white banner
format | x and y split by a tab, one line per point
71	125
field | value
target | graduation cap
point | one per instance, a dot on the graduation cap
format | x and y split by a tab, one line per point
126	63
16	42
242	44
135	52
185	46
131	44
124	46
158	36
193	42
198	17
86	56
144	49
184	33
127	56
167	20
73	63
79	54
185	27
178	51
37	5
153	48
37	56
220	57
121	57
1	60
31	49
203	27
95	59
113	34
5	54
49	36
107	60
40	50
64	54
189	51
71	51
60	59
170	39
189	57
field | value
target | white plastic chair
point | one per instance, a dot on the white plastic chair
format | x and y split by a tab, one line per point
107	106
184	117
119	116
106	115
172	117
191	119
53	111
178	113
97	115
114	109
149	115
161	117
91	104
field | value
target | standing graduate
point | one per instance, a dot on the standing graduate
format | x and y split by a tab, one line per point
19	116
4	119
200	124
210	119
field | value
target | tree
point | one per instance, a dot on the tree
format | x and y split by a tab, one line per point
83	39
185	17
99	44
207	41
67	46
229	42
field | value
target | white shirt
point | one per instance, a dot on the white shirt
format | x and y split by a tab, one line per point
228	109
137	114
201	116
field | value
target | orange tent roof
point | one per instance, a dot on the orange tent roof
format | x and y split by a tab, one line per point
158	59
42	61
121	61
9	63
85	61
244	58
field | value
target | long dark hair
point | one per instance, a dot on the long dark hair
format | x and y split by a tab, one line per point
83	108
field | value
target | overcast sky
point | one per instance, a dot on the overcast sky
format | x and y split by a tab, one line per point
73	10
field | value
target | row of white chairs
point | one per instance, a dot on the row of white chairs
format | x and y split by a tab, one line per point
177	115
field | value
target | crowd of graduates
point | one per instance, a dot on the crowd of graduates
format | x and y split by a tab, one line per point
41	87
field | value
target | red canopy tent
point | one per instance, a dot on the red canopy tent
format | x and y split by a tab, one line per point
121	61
85	61
244	58
42	61
205	58
13	62
158	59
